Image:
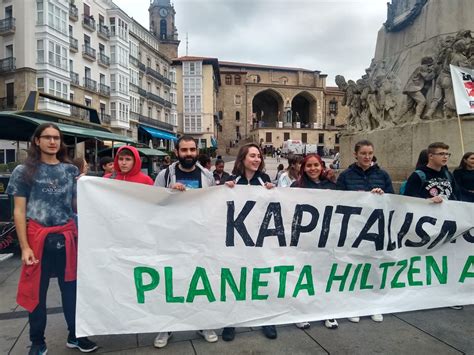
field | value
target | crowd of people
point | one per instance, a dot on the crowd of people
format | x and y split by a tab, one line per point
44	192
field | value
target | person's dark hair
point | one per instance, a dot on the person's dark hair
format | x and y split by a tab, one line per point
374	159
239	168
462	164
293	160
219	161
280	167
204	159
184	139
303	178
362	143
80	163
422	159
437	145
126	152
33	159
105	161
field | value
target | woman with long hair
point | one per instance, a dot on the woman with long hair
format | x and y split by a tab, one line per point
314	175
82	165
44	195
249	170
464	177
292	173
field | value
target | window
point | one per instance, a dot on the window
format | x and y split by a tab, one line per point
113	110
237	115
163	29
40	51
112	26
9	51
321	138
333	106
7	156
268	136
192	103
102	79
113	82
228	79
286	136
58	88
237	80
40	84
134	77
304	137
238	99
88	102
192	123
10	94
113	57
337	139
134	104
192	85
57	55
192	68
133	49
150	112
101	48
57	18
39	12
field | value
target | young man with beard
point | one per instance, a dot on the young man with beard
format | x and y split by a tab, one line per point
44	192
185	174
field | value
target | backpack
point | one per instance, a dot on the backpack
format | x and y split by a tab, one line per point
422	177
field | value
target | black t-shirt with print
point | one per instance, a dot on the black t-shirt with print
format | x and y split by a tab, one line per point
192	180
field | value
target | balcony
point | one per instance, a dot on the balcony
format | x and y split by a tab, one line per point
141	92
103	31
154	123
88	22
74	78
80	113
155	98
73	12
141	66
73	44
104	90
104	118
7	64
8	104
88	52
90	84
153	73
7	26
134	61
104	60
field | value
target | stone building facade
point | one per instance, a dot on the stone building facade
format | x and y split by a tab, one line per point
269	105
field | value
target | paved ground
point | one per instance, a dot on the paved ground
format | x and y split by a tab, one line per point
439	331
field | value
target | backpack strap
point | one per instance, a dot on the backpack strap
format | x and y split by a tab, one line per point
167	175
421	175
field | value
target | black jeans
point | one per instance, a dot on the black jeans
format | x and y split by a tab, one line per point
53	264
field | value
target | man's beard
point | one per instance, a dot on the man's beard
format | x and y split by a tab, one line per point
187	162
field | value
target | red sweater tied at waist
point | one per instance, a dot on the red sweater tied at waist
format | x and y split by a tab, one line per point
29	285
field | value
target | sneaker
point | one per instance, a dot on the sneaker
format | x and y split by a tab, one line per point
331	323
303	325
38	349
228	334
83	344
354	319
269	331
377	318
209	335
457	308
161	339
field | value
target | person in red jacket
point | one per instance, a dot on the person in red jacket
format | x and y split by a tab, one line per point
128	165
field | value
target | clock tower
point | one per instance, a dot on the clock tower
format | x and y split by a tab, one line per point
162	25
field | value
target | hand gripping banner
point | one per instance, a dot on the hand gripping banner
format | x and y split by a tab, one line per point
153	259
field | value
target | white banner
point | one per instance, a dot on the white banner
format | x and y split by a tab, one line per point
152	259
463	85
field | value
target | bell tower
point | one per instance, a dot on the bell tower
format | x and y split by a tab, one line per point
162	25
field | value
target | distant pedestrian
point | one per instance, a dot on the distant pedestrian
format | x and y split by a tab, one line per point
292	173
107	165
220	176
44	193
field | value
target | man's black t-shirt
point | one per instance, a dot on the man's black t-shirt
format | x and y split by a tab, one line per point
192	180
436	183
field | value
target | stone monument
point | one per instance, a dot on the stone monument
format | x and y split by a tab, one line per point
405	99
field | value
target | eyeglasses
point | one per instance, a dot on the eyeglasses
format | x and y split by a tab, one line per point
54	138
444	154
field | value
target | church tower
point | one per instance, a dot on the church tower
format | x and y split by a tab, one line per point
162	25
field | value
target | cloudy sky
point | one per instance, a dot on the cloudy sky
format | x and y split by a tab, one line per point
333	36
